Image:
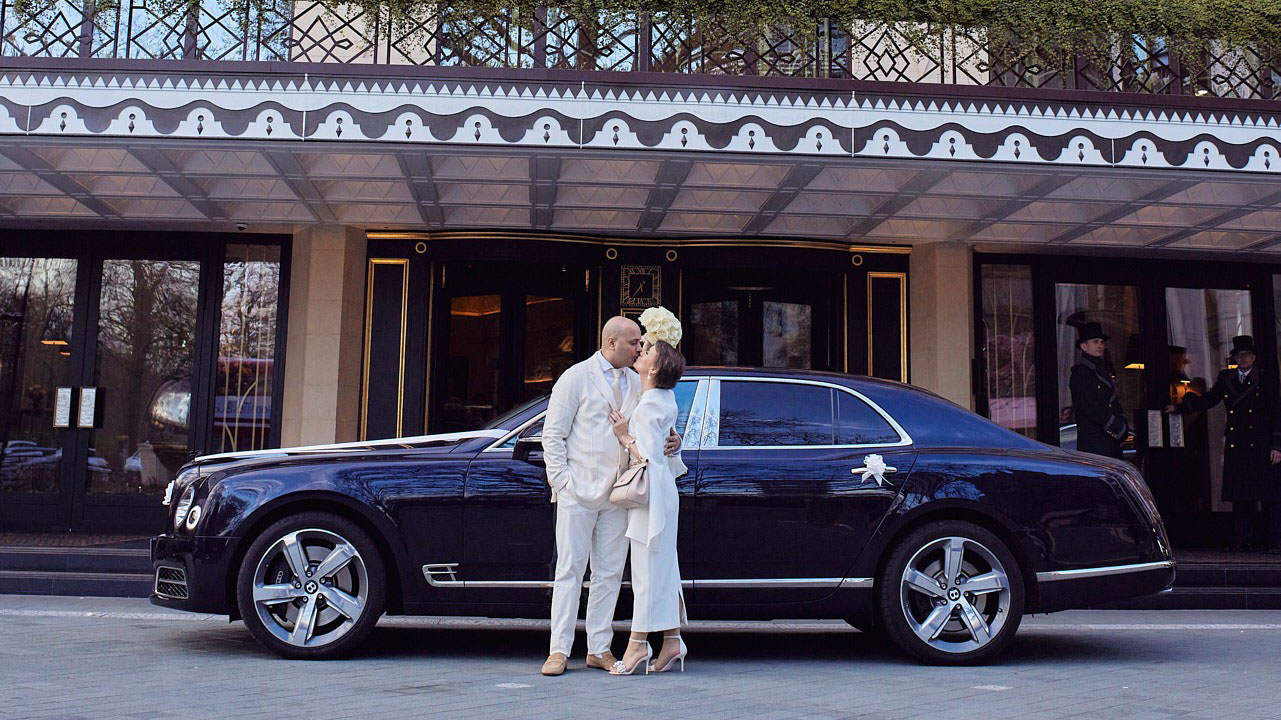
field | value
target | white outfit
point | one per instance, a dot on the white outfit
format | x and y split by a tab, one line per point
656	575
582	456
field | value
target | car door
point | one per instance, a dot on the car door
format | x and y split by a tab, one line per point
509	521
783	502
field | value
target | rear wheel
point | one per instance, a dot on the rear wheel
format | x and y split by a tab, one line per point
311	586
951	593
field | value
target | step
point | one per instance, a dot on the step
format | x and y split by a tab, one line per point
1214	575
1204	598
75	559
91	584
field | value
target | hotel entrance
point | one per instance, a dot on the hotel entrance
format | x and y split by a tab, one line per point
121	358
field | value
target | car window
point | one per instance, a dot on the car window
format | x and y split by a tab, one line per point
534	430
771	413
858	424
684	390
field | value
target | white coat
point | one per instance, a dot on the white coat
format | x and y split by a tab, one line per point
580	449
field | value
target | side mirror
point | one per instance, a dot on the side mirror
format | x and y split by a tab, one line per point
526	447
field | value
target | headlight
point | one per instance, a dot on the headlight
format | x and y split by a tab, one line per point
193	517
184	505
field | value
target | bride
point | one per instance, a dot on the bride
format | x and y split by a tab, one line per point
656	579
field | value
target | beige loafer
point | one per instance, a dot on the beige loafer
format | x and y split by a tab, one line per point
555	664
604	661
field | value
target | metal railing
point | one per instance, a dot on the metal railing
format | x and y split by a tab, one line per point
549	37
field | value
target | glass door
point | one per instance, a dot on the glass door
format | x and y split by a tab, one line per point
506	335
38	335
756	319
142	373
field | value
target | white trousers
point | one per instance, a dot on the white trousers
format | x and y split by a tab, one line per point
584	535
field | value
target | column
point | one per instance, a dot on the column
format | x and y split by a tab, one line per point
942	320
325	337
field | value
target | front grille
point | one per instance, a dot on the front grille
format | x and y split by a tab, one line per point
171	582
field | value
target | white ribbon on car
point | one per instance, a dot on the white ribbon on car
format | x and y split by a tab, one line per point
874	468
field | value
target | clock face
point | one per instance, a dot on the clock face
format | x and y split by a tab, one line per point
641	286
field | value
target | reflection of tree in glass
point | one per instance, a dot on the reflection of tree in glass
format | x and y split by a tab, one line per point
146	332
246	346
35	305
747	427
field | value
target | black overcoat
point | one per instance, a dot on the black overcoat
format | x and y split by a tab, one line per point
1101	424
1249	435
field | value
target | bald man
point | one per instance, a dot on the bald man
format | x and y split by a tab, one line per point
583	459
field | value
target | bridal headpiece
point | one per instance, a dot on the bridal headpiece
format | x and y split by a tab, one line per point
660	324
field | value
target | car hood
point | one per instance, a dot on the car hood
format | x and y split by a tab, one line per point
444	442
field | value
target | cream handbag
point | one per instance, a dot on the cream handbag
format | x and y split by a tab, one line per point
631	489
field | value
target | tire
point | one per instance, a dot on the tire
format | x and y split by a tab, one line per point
936	618
340	608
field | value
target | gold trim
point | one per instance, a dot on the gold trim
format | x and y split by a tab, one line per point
902	324
431	306
369	314
836	246
671	255
886	249
600	299
611	254
420	247
856	260
845	329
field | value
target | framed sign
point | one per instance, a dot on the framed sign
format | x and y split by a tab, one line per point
88	415
62	408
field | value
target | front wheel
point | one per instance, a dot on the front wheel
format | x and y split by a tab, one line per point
311	586
951	593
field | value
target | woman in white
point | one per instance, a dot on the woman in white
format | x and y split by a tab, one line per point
656	578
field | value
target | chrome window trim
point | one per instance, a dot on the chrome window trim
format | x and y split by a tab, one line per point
498	446
904	438
1105	571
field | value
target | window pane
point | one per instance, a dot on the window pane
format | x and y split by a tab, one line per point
474	326
146	351
858	424
36	300
684	401
788	335
765	413
1201	324
549	343
1008	347
714	326
1116	308
246	347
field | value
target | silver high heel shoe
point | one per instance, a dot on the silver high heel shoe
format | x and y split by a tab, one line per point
622	669
679	656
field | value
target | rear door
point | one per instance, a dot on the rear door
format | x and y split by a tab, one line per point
782	499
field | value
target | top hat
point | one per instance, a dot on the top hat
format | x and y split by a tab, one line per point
1089	331
1242	343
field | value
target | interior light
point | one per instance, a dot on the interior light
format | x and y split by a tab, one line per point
53	342
1134	366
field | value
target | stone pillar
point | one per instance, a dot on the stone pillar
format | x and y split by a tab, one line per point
323	352
942	284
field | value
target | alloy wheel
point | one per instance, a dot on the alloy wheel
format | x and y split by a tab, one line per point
310	587
955	594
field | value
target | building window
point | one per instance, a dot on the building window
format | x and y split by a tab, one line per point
247	333
1009	378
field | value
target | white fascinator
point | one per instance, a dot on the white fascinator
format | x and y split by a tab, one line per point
660	324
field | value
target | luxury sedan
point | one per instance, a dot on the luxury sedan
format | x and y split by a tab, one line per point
809	495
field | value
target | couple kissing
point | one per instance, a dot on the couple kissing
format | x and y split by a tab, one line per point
607	416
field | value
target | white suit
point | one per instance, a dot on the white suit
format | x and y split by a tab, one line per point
582	455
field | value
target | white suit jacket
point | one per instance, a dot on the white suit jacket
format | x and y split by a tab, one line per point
580	449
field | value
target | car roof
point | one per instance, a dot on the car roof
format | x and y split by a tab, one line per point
793	374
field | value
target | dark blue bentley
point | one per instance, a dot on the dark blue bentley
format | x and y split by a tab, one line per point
810	495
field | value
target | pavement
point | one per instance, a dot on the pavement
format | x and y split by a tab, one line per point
95	658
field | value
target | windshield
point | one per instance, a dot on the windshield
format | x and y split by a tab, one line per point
504	421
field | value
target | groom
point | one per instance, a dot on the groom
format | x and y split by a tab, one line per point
583	459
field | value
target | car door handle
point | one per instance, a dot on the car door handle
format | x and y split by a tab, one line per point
874	468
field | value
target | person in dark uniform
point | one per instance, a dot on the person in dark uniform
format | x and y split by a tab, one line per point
1252	444
1101	423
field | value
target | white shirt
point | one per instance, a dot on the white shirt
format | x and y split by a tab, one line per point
608	368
